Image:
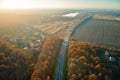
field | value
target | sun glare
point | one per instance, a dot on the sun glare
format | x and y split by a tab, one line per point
16	4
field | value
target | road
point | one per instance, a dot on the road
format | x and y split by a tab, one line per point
60	64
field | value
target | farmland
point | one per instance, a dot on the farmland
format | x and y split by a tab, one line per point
101	32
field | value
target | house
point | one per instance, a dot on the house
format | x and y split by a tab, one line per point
112	59
107	53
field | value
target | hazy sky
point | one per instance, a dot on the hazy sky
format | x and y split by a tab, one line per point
60	4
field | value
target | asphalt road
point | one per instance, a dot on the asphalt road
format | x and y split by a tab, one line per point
60	64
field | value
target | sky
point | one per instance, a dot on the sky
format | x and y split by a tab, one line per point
102	4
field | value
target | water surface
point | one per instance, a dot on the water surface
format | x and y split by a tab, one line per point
71	14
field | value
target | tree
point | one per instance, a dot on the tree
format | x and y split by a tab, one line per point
93	77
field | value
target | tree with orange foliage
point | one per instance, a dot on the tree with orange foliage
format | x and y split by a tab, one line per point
45	68
84	61
92	77
13	62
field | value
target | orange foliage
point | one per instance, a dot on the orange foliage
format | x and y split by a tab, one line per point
45	68
92	77
13	62
84	63
98	66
